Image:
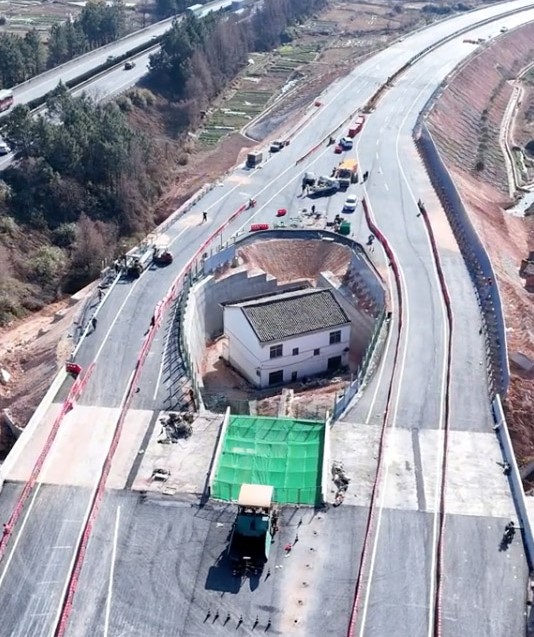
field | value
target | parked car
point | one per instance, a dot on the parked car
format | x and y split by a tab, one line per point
351	203
338	149
110	58
4	148
128	66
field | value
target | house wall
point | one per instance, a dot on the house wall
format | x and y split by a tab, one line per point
253	360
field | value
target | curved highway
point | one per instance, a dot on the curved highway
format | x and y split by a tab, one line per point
145	563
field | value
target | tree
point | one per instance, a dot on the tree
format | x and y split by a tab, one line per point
57	46
12	60
18	129
35	54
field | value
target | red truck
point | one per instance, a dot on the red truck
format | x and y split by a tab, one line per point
356	126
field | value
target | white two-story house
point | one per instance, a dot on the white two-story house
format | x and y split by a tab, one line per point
287	337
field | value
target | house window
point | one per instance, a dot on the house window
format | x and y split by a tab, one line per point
276	351
316	352
295	351
335	337
276	378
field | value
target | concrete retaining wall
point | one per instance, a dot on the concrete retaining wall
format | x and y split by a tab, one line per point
360	262
476	260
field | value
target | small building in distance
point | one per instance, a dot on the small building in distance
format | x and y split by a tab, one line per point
287	337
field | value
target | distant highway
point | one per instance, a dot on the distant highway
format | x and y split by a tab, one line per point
148	567
41	84
109	83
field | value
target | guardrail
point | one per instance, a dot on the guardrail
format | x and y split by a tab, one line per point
159	311
475	257
371	103
516	485
362	567
446	428
342	401
73	395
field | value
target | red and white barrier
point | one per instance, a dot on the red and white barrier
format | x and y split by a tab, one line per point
446	427
69	403
380	455
159	311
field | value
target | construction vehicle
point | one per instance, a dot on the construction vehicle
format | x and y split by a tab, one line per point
254	159
162	256
276	146
137	262
254	528
308	179
347	173
323	187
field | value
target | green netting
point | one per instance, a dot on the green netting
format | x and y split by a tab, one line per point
284	453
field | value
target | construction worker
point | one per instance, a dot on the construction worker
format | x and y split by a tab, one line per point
204	216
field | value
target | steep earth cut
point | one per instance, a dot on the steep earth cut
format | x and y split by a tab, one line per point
465	122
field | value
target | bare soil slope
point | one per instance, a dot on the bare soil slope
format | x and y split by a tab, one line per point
465	123
466	119
290	260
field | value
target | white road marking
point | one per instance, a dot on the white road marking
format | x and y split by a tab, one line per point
112	572
87	513
386	186
117	315
178	236
285	185
388	344
440	455
397	399
383	482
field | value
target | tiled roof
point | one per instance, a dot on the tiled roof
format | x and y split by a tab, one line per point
281	316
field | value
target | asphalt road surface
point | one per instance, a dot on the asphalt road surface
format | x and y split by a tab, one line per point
149	567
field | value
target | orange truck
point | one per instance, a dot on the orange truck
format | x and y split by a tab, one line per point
347	173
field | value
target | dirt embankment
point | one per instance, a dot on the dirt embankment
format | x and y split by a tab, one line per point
465	123
293	260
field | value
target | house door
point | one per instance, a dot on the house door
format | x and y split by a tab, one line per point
334	363
277	378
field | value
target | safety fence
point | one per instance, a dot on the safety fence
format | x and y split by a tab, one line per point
516	485
342	400
476	260
68	404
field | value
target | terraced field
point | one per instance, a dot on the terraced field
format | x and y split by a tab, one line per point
268	74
